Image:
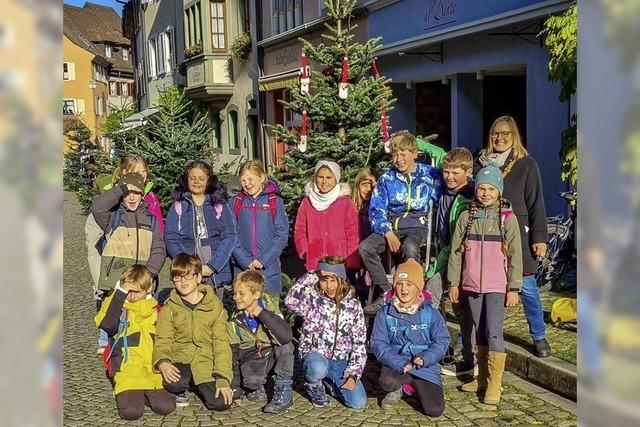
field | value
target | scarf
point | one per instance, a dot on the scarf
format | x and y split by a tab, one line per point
496	159
322	201
407	308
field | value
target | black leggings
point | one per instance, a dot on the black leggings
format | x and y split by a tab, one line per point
207	391
431	395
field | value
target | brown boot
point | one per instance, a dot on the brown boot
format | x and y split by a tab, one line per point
479	383
496	368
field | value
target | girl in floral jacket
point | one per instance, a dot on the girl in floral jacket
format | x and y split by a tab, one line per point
332	344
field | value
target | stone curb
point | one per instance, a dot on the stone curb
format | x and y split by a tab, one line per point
554	374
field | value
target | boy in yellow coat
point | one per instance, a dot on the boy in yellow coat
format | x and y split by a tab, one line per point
129	316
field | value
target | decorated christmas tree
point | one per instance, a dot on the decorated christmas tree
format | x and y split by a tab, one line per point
343	103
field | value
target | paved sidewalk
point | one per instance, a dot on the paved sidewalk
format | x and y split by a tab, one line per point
88	399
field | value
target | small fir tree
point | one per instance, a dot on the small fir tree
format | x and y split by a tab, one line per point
345	130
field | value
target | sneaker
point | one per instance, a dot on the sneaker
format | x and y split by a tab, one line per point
459	368
317	394
282	400
376	305
100	351
541	348
182	400
258	395
391	398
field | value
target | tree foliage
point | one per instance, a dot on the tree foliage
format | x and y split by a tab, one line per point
345	130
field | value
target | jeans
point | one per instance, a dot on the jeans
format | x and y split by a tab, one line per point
251	371
207	391
532	305
589	347
488	317
316	368
373	246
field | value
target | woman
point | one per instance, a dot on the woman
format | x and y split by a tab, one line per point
263	226
200	223
523	188
327	219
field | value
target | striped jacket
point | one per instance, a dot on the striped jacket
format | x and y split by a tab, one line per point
484	268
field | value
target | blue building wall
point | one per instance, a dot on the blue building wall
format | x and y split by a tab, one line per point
547	117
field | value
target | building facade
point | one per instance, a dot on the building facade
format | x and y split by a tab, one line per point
456	65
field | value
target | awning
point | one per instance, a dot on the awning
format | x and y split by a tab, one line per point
138	119
278	81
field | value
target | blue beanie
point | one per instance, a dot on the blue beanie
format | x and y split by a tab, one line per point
490	175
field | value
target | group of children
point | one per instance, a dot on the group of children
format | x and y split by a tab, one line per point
220	333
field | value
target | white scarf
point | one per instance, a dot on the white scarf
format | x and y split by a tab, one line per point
495	159
320	201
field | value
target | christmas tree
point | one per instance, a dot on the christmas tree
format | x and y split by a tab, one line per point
343	105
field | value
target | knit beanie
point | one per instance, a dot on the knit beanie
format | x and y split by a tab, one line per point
490	175
412	272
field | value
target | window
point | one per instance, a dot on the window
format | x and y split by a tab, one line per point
215	127
68	71
246	17
152	58
285	15
68	106
124	89
125	54
217	24
99	73
108	50
167	45
234	143
160	54
99	110
113	88
291	118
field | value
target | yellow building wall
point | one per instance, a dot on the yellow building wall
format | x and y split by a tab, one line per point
79	88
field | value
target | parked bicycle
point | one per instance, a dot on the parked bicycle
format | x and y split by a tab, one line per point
561	256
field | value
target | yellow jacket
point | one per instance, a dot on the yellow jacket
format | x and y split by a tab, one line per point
131	327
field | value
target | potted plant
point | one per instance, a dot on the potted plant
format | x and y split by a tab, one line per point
241	47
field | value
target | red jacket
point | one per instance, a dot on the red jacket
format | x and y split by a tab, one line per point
333	231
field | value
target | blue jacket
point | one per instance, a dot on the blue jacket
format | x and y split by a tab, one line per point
401	201
261	236
386	346
221	232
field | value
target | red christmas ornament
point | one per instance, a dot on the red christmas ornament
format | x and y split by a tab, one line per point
303	132
374	66
305	74
343	87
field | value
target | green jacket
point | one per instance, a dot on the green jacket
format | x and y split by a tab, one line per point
195	337
272	330
459	205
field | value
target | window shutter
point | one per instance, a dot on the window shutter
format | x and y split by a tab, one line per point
72	70
79	106
160	53
152	58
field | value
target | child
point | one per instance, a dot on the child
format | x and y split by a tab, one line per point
129	163
327	220
409	338
131	233
200	223
332	344
129	317
363	187
487	263
192	347
263	226
260	340
399	210
457	171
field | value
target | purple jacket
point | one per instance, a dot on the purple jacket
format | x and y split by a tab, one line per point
337	336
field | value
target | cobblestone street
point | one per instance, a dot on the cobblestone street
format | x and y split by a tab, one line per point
88	399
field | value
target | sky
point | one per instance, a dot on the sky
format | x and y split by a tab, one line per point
113	3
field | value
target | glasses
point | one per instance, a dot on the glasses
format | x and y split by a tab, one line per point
504	134
180	278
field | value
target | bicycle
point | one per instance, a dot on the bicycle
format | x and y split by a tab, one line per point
560	257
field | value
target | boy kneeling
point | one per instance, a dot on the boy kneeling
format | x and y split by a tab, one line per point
129	317
192	348
409	338
260	340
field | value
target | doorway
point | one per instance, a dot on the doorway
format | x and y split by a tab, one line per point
433	112
505	96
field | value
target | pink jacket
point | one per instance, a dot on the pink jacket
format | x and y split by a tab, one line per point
155	209
333	231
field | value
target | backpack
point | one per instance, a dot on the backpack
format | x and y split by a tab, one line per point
177	206
423	327
116	220
271	201
564	311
